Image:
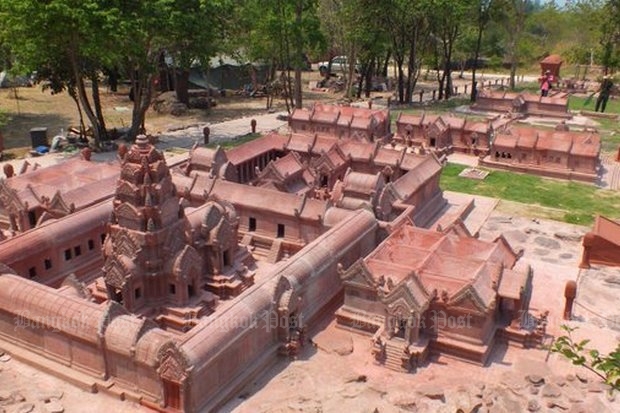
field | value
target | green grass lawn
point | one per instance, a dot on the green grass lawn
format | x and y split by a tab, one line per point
581	202
235	142
577	103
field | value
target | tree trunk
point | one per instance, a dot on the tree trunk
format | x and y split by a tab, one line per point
474	84
182	85
81	93
72	92
143	92
299	53
103	133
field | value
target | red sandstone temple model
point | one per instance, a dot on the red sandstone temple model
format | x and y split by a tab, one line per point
556	153
194	277
523	104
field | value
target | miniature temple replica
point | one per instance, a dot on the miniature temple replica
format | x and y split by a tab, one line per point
424	291
176	284
444	134
523	104
342	122
37	195
556	153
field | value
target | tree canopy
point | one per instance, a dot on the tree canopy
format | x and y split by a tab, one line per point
73	44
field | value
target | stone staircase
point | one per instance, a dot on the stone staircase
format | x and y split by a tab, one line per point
274	252
394	352
261	249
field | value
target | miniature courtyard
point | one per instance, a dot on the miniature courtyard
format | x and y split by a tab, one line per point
305	178
334	373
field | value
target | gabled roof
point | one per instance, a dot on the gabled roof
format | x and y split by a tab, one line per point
300	142
587	144
505	140
411	292
412	180
554	141
331	160
463	270
253	148
78	182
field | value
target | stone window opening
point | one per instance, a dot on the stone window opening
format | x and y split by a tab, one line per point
103	238
433	142
190	290
32	272
32	218
137	293
226	258
91	244
324	181
68	255
48	263
281	231
117	295
172	289
77	251
252	224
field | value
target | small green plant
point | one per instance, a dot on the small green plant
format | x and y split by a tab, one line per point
4	118
607	367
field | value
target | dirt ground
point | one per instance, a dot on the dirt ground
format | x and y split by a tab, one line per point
30	107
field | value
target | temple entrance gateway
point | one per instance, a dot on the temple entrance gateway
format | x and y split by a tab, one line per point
172	394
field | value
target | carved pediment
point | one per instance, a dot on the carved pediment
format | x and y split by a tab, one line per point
132	172
468	298
358	275
9	198
270	173
173	365
402	295
112	310
58	206
127	215
186	262
127	190
125	244
114	274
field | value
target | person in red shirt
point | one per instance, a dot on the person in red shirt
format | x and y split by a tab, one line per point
546	81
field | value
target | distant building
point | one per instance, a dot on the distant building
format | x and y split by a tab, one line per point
555	153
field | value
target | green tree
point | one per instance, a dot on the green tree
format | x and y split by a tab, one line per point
447	19
191	35
482	16
280	32
408	29
67	40
606	366
512	15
